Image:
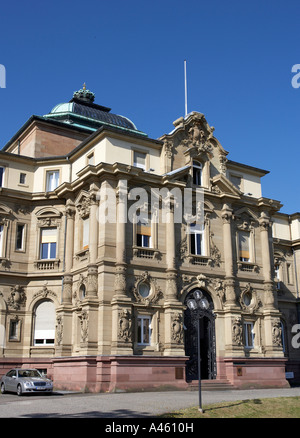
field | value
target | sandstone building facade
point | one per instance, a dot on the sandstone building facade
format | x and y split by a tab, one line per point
101	305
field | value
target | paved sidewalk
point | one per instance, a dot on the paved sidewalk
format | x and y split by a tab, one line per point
124	405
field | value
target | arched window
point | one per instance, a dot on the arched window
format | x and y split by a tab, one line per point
197	173
82	292
44	328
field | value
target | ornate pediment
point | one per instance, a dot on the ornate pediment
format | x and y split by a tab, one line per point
221	184
192	139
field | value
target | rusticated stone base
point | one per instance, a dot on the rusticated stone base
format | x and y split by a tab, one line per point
245	373
119	373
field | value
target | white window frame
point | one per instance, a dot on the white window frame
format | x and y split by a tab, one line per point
135	163
22	237
142	319
197	173
52	185
194	231
246	326
49	246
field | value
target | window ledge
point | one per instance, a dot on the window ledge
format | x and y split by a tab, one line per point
201	260
82	255
247	267
146	253
46	264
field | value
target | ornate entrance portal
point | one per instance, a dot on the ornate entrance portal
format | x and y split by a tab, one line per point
208	342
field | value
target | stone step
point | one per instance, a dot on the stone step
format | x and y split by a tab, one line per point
211	385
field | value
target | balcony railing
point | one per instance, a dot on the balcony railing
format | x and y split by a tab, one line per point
145	253
46	264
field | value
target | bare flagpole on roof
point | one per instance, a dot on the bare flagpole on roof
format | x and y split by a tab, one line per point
185	87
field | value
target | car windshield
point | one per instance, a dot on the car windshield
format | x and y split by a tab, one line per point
29	373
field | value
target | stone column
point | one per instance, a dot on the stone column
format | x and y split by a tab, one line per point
67	286
92	286
122	317
264	224
228	256
171	290
120	279
173	308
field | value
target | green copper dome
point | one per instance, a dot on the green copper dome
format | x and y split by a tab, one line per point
83	112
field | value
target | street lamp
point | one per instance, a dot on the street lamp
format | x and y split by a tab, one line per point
198	306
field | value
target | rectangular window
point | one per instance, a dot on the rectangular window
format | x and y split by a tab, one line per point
20	237
248	335
91	159
13	330
144	330
139	160
244	246
289	273
48	243
197	239
143	236
22	178
2	171
85	233
237	181
1	239
52	180
197	173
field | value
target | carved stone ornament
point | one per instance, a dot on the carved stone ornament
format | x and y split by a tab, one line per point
139	290
44	293
177	328
84	325
125	325
249	300
17	298
237	331
59	330
168	146
277	334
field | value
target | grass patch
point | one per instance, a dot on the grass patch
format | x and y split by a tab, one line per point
281	407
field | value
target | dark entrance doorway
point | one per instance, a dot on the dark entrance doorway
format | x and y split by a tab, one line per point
208	343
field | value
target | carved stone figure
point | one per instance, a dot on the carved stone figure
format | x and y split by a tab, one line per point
237	331
125	325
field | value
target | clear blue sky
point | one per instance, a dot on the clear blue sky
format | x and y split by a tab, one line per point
131	55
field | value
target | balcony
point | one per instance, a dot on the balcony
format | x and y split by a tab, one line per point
247	267
47	265
146	253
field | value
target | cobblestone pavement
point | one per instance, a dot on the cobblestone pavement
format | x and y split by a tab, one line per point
121	405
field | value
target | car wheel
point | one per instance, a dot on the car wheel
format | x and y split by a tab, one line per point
3	388
19	390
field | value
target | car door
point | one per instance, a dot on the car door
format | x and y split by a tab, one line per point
9	380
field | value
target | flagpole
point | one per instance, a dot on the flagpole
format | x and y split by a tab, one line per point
185	87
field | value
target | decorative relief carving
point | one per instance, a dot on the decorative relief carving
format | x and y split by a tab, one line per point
237	331
17	297
125	325
277	334
84	325
177	328
155	293
59	330
44	293
249	301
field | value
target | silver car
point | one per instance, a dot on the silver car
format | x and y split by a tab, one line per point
21	381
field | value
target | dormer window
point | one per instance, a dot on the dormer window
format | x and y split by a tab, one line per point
139	159
197	173
52	180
